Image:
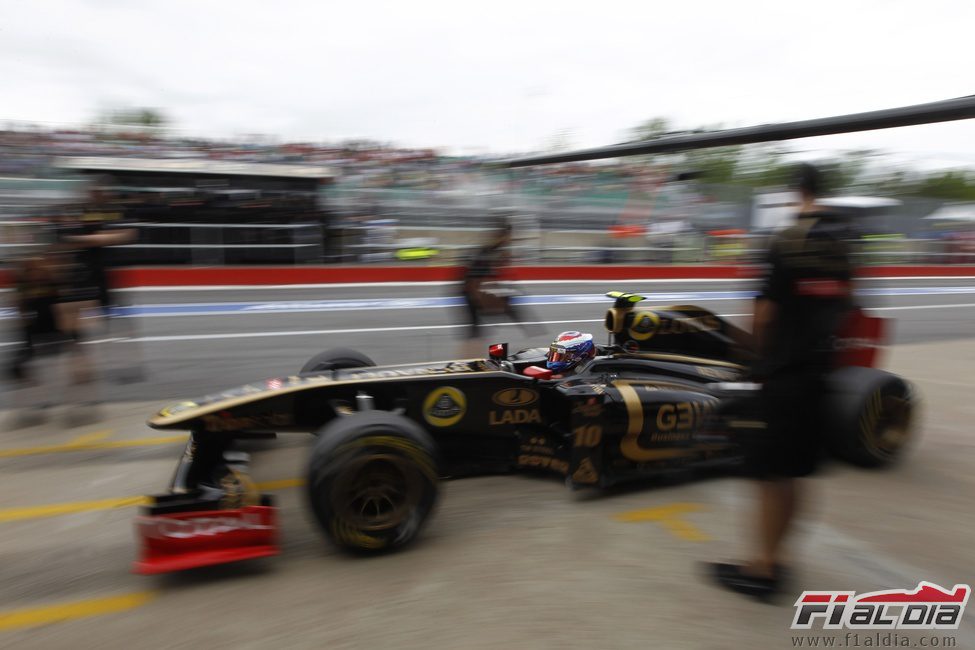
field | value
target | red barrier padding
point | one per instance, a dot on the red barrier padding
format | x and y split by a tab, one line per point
277	275
284	275
859	342
272	275
187	540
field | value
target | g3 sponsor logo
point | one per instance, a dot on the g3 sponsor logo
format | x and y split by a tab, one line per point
673	423
515	397
444	406
682	416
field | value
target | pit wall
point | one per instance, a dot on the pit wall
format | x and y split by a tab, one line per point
277	275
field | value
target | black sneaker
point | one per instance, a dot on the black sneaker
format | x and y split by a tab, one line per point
733	577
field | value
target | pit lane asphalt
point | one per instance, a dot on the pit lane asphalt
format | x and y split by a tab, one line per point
511	561
186	356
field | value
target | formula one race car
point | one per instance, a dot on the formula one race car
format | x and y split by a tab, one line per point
668	393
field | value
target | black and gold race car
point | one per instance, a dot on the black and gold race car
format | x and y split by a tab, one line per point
668	393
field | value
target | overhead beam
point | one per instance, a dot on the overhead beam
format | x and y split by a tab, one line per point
960	108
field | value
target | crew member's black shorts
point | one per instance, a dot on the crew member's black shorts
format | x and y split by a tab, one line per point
792	444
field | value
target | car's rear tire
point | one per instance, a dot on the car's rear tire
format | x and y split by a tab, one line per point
872	416
337	359
372	481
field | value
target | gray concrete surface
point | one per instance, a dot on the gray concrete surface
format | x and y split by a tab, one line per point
516	561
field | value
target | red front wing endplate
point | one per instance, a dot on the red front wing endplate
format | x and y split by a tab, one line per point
186	540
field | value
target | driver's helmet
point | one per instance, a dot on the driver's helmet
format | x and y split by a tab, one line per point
568	349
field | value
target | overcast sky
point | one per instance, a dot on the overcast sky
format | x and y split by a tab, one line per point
491	76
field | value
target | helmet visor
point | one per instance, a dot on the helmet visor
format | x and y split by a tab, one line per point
556	354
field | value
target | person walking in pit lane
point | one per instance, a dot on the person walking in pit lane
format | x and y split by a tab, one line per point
805	298
480	299
83	238
37	293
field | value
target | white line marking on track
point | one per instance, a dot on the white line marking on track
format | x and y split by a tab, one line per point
907	307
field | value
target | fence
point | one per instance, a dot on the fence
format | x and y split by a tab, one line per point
385	241
442	227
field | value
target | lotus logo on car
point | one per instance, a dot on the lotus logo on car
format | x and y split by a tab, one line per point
515	397
444	406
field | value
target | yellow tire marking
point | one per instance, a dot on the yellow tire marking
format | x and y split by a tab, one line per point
34	616
671	517
83	444
58	509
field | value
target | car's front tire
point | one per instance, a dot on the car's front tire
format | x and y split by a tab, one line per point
372	481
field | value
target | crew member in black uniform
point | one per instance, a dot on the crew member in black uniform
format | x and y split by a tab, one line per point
804	301
88	235
484	267
84	237
37	292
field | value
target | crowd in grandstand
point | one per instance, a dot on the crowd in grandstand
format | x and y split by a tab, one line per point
30	153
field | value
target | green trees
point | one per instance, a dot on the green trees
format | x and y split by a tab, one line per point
770	165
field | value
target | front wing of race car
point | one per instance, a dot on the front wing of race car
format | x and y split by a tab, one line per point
221	518
187	540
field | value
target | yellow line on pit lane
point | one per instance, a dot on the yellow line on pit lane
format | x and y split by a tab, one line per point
74	507
86	444
671	517
34	616
57	509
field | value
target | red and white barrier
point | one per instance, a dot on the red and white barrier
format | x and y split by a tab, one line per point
310	275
